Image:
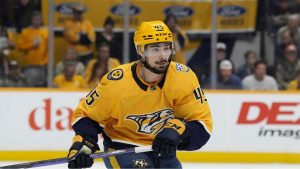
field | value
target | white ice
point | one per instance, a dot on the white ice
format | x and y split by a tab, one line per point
100	165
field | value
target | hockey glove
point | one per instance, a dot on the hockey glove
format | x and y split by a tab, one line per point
79	152
166	141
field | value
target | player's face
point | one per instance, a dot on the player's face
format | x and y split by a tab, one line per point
157	56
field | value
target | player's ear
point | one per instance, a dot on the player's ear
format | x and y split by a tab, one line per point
139	49
140	53
141	58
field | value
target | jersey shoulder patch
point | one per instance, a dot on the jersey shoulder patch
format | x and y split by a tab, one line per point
182	68
115	74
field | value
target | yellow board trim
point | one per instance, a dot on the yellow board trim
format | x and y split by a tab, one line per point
218	157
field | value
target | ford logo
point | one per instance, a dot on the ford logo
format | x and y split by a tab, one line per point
231	11
119	10
179	11
64	8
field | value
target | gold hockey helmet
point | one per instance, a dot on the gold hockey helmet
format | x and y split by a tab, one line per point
152	32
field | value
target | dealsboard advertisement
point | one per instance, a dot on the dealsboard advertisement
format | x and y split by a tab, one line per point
244	122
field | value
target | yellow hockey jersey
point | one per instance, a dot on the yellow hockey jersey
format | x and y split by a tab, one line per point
133	112
34	56
72	29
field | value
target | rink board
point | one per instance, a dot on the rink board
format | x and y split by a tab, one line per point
248	126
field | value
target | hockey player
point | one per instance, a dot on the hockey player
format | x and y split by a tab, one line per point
152	101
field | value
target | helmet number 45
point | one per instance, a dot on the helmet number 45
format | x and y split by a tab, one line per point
159	28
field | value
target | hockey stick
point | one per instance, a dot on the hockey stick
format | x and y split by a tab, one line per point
94	156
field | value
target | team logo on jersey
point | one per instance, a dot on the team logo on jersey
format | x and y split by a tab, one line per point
152	123
115	74
182	68
140	163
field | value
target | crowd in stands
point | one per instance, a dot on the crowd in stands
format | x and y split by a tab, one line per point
89	56
284	19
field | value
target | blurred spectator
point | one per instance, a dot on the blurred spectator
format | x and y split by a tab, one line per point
34	42
221	52
14	78
247	68
285	39
259	80
286	69
180	38
70	55
5	45
36	76
79	33
108	36
204	67
281	9
295	84
3	64
23	10
68	79
293	27
96	68
226	79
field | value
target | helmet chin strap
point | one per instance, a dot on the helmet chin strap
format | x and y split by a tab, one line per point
147	66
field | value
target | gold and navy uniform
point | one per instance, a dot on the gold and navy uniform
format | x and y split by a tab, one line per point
130	112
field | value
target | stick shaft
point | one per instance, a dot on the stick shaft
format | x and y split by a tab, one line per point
65	160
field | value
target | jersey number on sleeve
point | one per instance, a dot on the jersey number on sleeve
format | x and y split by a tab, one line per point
198	94
91	97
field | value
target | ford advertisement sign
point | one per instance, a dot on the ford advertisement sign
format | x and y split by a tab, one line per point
179	11
119	10
231	11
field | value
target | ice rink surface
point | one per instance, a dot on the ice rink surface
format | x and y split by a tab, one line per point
100	165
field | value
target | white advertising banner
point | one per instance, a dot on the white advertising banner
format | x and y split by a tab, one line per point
261	122
246	122
37	120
